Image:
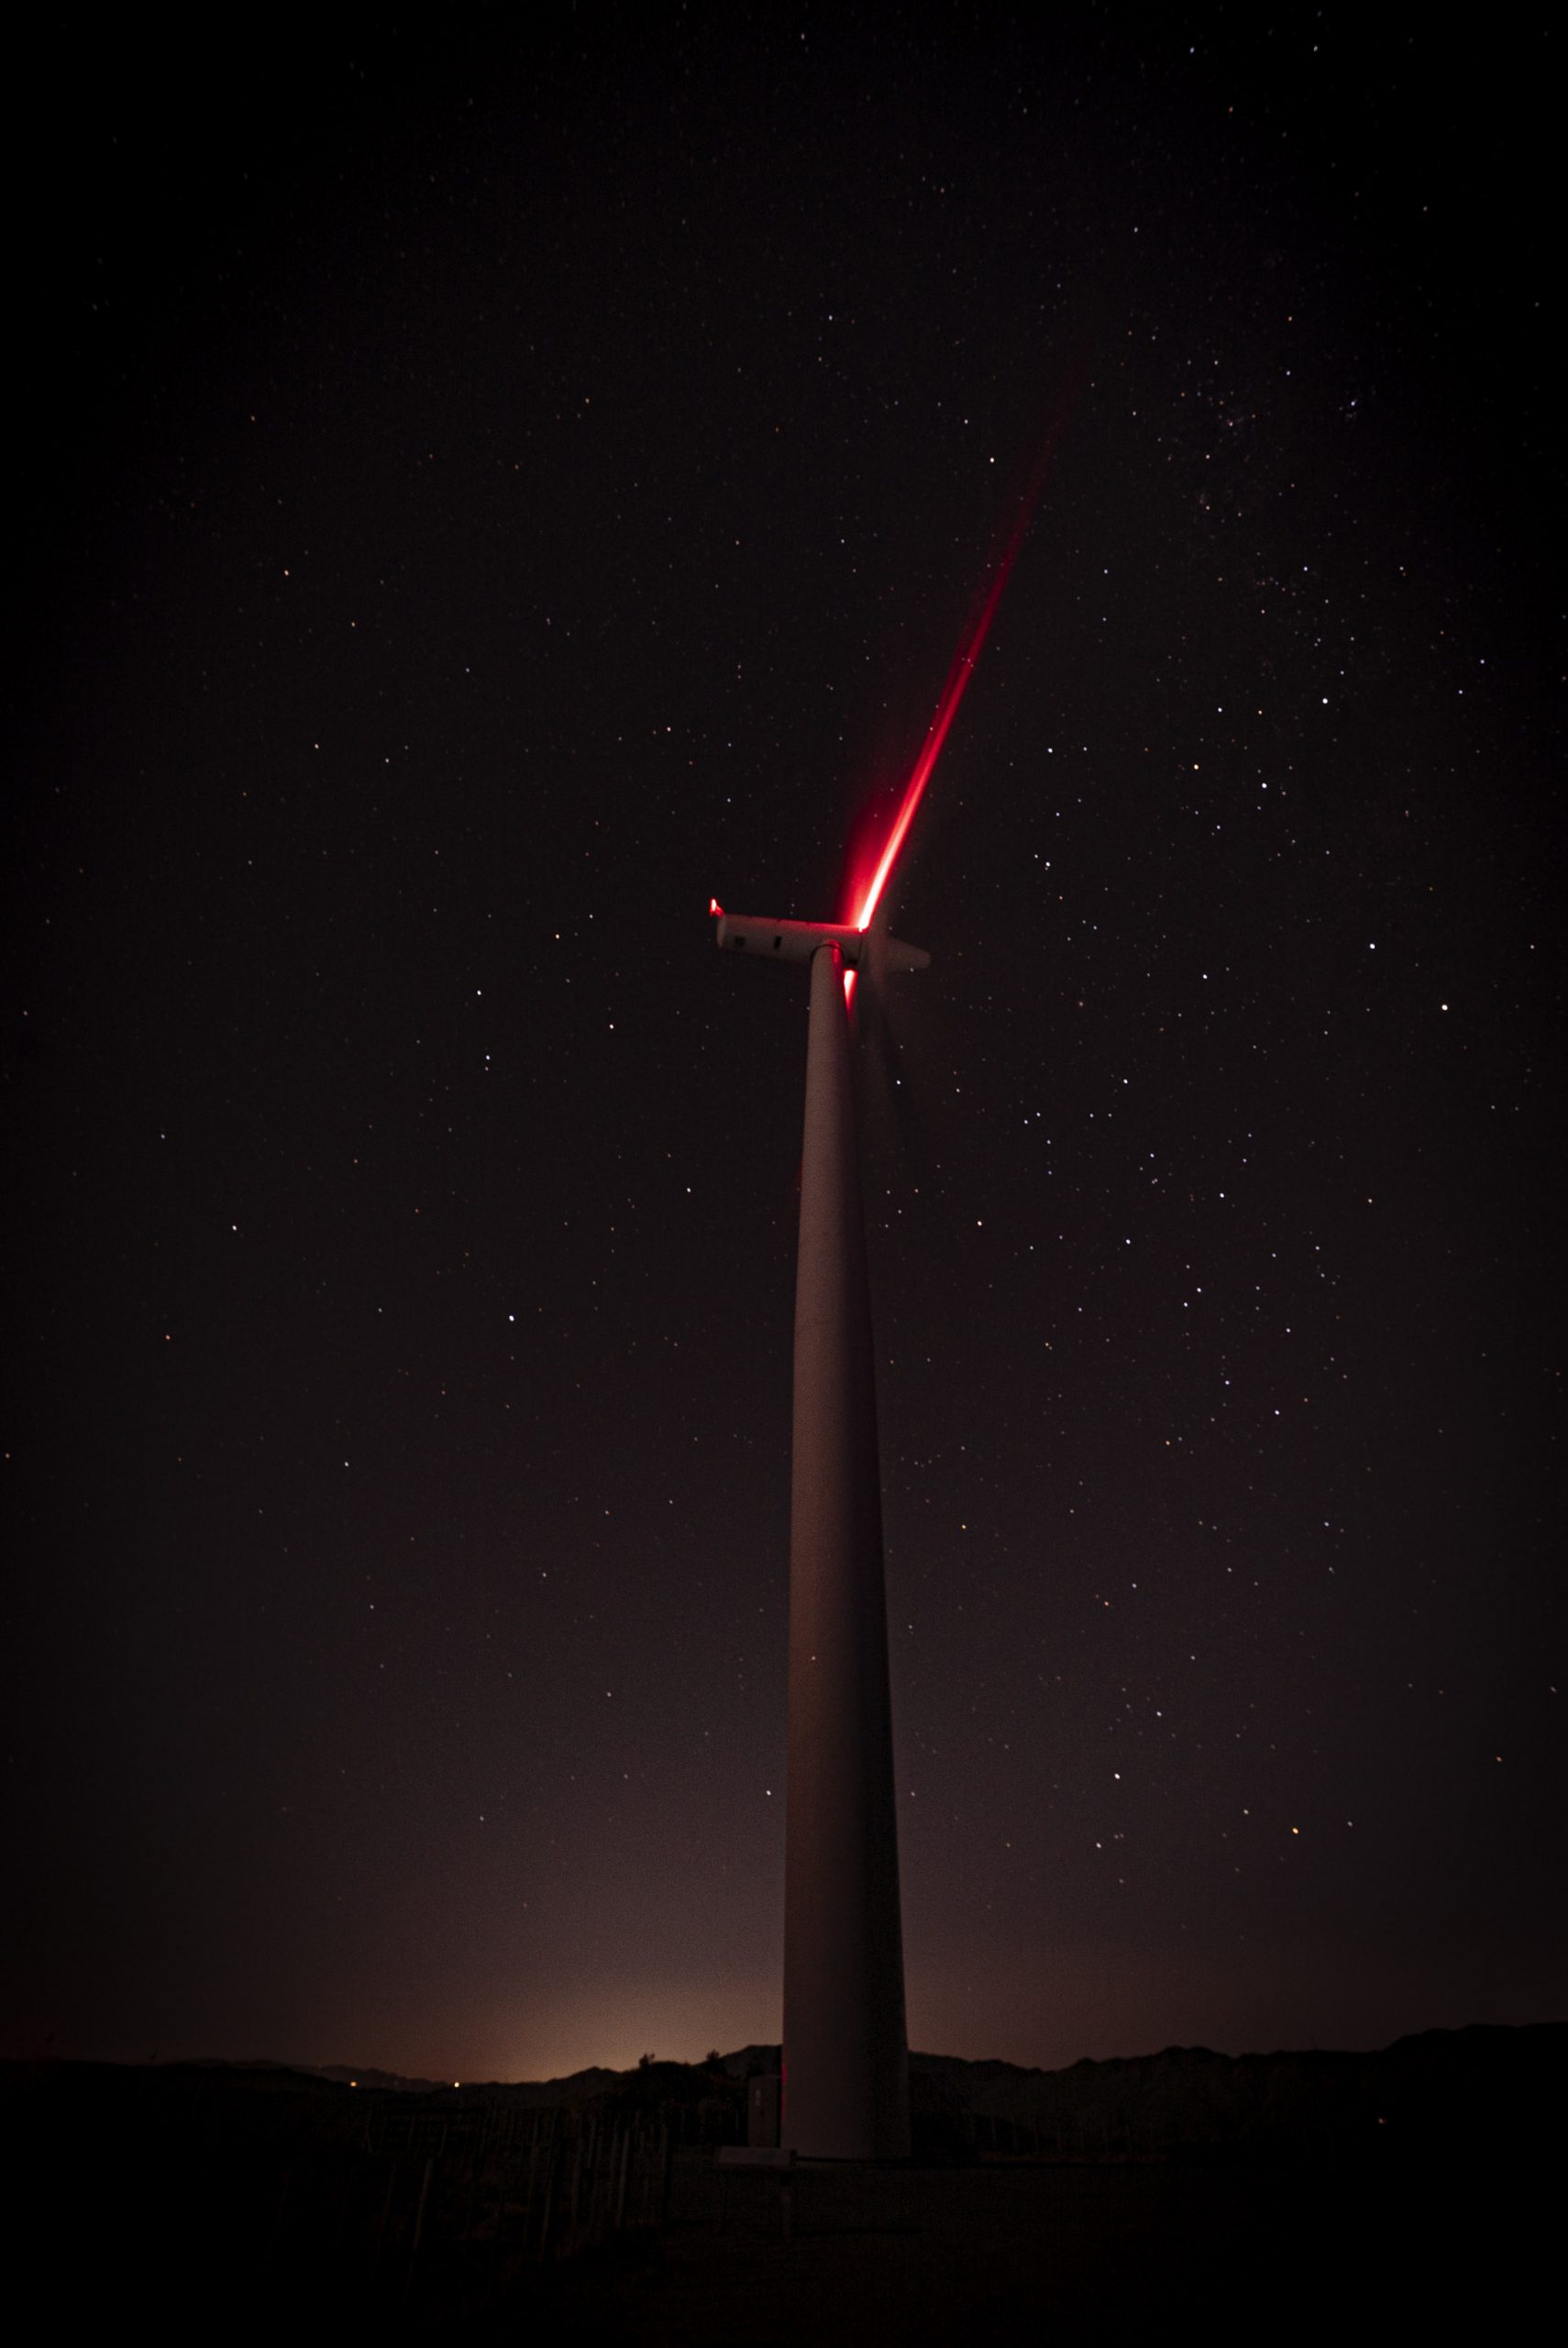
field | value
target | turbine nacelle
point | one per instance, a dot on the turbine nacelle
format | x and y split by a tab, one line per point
871	950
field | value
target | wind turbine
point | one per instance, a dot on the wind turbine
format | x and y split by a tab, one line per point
845	2083
845	2086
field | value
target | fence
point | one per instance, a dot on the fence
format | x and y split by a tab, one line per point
527	2187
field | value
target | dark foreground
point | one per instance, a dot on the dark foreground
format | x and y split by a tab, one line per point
1092	2254
254	2207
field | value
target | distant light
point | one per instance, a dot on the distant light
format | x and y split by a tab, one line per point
714	907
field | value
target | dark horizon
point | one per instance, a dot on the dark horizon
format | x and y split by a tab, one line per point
374	2076
481	501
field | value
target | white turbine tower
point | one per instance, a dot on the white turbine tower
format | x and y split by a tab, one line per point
845	2088
846	2085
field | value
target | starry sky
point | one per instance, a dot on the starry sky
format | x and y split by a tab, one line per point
478	497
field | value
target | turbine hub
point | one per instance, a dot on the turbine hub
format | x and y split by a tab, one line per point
796	941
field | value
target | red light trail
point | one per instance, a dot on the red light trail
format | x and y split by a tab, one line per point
952	692
867	898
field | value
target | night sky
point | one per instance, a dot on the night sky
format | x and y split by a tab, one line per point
476	501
